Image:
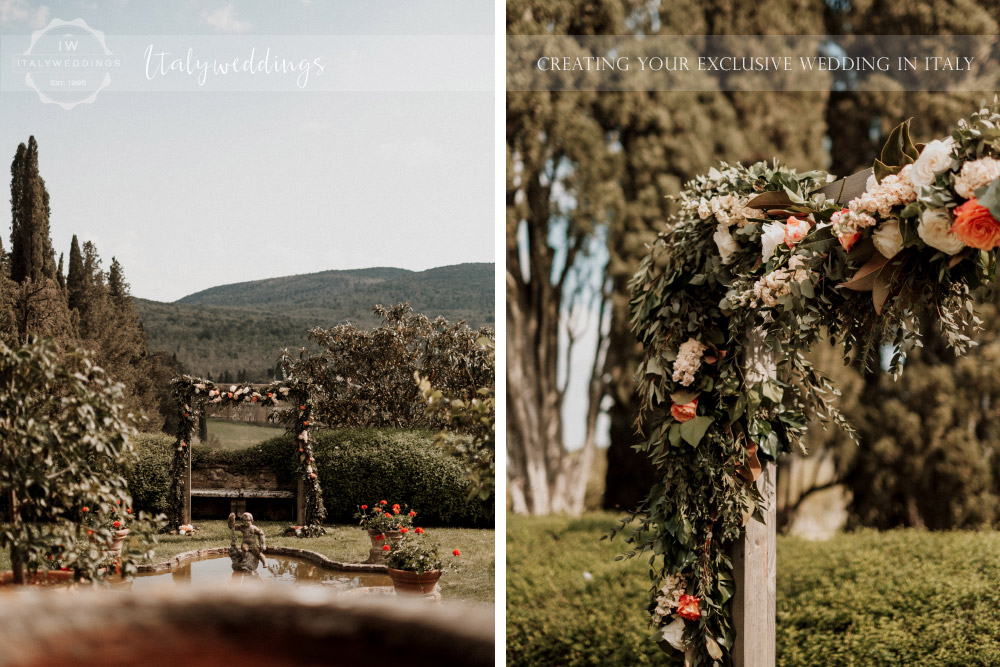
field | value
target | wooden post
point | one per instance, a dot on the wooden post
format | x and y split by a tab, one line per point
300	503
754	562
187	488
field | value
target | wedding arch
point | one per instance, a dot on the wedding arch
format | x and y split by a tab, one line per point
759	264
193	394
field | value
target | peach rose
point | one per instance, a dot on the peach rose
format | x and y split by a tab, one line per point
976	226
686	412
688	608
795	231
848	240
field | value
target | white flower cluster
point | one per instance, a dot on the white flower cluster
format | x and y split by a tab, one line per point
975	174
670	596
728	210
771	287
688	361
846	222
894	190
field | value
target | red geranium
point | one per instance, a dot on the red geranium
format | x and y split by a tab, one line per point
688	607
85	509
412	513
364	507
385	547
456	552
404	530
380	537
418	531
117	524
383	502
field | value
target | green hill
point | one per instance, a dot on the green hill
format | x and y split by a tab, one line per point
241	328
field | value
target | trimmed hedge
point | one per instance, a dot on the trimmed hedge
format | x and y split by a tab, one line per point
902	597
354	466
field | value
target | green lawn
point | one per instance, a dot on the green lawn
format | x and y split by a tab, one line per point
902	597
473	582
223	434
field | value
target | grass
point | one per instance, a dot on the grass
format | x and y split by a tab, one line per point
902	597
224	434
473	582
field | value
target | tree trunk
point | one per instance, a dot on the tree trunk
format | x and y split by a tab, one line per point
16	565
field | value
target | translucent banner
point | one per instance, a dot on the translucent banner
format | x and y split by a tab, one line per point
753	63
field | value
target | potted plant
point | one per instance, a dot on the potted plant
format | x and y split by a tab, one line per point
67	434
414	564
385	524
114	522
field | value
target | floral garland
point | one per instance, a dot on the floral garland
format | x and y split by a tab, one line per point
759	248
189	391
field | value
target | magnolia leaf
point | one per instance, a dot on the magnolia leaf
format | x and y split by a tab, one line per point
899	149
959	257
989	196
772	199
693	430
880	291
864	279
882	170
684	396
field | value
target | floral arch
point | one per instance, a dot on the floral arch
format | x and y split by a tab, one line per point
759	264
192	394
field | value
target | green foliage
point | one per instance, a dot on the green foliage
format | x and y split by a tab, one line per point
354	465
365	377
471	435
903	597
416	553
239	327
66	438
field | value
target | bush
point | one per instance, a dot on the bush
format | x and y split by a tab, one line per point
902	597
354	466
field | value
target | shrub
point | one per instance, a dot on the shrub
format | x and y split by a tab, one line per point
902	597
354	466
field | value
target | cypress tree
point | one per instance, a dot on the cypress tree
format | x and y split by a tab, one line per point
60	278
31	254
74	277
117	287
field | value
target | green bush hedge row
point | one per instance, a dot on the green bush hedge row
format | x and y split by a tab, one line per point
902	597
355	466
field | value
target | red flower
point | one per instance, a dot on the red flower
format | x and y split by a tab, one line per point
379	538
395	506
412	513
688	608
305	423
129	510
119	501
313	475
456	552
385	547
395	510
90	532
418	531
364	507
404	530
117	524
848	240
302	407
229	394
686	412
383	502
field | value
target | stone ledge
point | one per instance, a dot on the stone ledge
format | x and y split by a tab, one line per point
309	556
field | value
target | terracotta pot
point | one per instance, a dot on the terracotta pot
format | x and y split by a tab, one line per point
52	578
407	582
376	555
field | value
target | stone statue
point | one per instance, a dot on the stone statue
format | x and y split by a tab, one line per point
250	553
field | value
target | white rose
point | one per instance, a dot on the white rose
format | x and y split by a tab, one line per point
871	183
935	230
935	158
887	238
673	633
703	210
773	236
726	243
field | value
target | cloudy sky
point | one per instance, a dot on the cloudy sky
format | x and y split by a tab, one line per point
195	189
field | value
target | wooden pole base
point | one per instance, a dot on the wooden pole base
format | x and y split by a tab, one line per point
754	568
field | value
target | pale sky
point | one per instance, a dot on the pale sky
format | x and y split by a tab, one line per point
195	189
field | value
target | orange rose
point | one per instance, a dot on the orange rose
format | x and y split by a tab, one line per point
975	226
848	240
795	230
686	412
688	608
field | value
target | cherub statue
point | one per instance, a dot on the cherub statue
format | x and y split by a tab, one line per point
250	553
